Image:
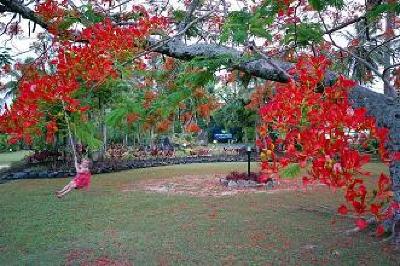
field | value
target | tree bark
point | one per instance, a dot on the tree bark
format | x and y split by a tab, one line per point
18	8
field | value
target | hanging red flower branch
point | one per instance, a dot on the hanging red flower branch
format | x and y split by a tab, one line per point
314	125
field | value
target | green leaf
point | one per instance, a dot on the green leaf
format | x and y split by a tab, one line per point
304	34
86	133
91	15
5	57
320	5
236	27
116	116
179	15
380	9
67	23
291	171
261	32
317	4
196	79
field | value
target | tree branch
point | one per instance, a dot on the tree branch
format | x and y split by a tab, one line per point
256	67
4	9
385	109
359	59
344	25
18	8
389	67
155	44
383	44
189	14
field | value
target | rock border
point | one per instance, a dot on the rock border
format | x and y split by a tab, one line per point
102	167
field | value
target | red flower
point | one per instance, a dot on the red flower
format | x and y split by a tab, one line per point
375	209
383	183
284	161
193	128
263	178
361	223
396	156
380	230
342	210
305	180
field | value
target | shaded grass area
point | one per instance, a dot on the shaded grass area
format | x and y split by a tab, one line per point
7	158
106	224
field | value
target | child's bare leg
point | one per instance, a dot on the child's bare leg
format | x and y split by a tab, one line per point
70	187
65	188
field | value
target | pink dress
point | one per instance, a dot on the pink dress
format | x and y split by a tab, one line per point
82	179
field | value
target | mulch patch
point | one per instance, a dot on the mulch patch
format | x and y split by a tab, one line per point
207	186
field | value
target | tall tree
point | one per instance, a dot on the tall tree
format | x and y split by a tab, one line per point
118	40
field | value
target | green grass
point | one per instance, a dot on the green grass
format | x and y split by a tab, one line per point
106	224
9	157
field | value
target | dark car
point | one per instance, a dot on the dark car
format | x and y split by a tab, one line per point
223	137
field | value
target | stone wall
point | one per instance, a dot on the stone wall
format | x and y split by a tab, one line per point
32	172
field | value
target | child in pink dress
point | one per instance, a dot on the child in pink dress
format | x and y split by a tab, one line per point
81	180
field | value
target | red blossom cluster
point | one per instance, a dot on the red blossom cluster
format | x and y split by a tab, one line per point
260	95
51	11
192	128
313	122
83	66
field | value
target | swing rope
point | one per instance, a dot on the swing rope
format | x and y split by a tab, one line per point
70	134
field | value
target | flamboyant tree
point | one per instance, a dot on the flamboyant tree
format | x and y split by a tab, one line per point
118	55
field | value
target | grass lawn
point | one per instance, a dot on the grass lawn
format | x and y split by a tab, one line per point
8	157
106	225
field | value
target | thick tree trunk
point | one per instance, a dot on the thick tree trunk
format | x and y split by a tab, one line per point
395	174
387	113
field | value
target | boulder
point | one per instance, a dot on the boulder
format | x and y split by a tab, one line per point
269	184
252	183
232	184
241	183
19	175
43	174
223	181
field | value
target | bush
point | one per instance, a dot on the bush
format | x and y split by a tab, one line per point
43	156
235	176
5	146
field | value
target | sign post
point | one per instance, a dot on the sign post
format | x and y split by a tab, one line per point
248	160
